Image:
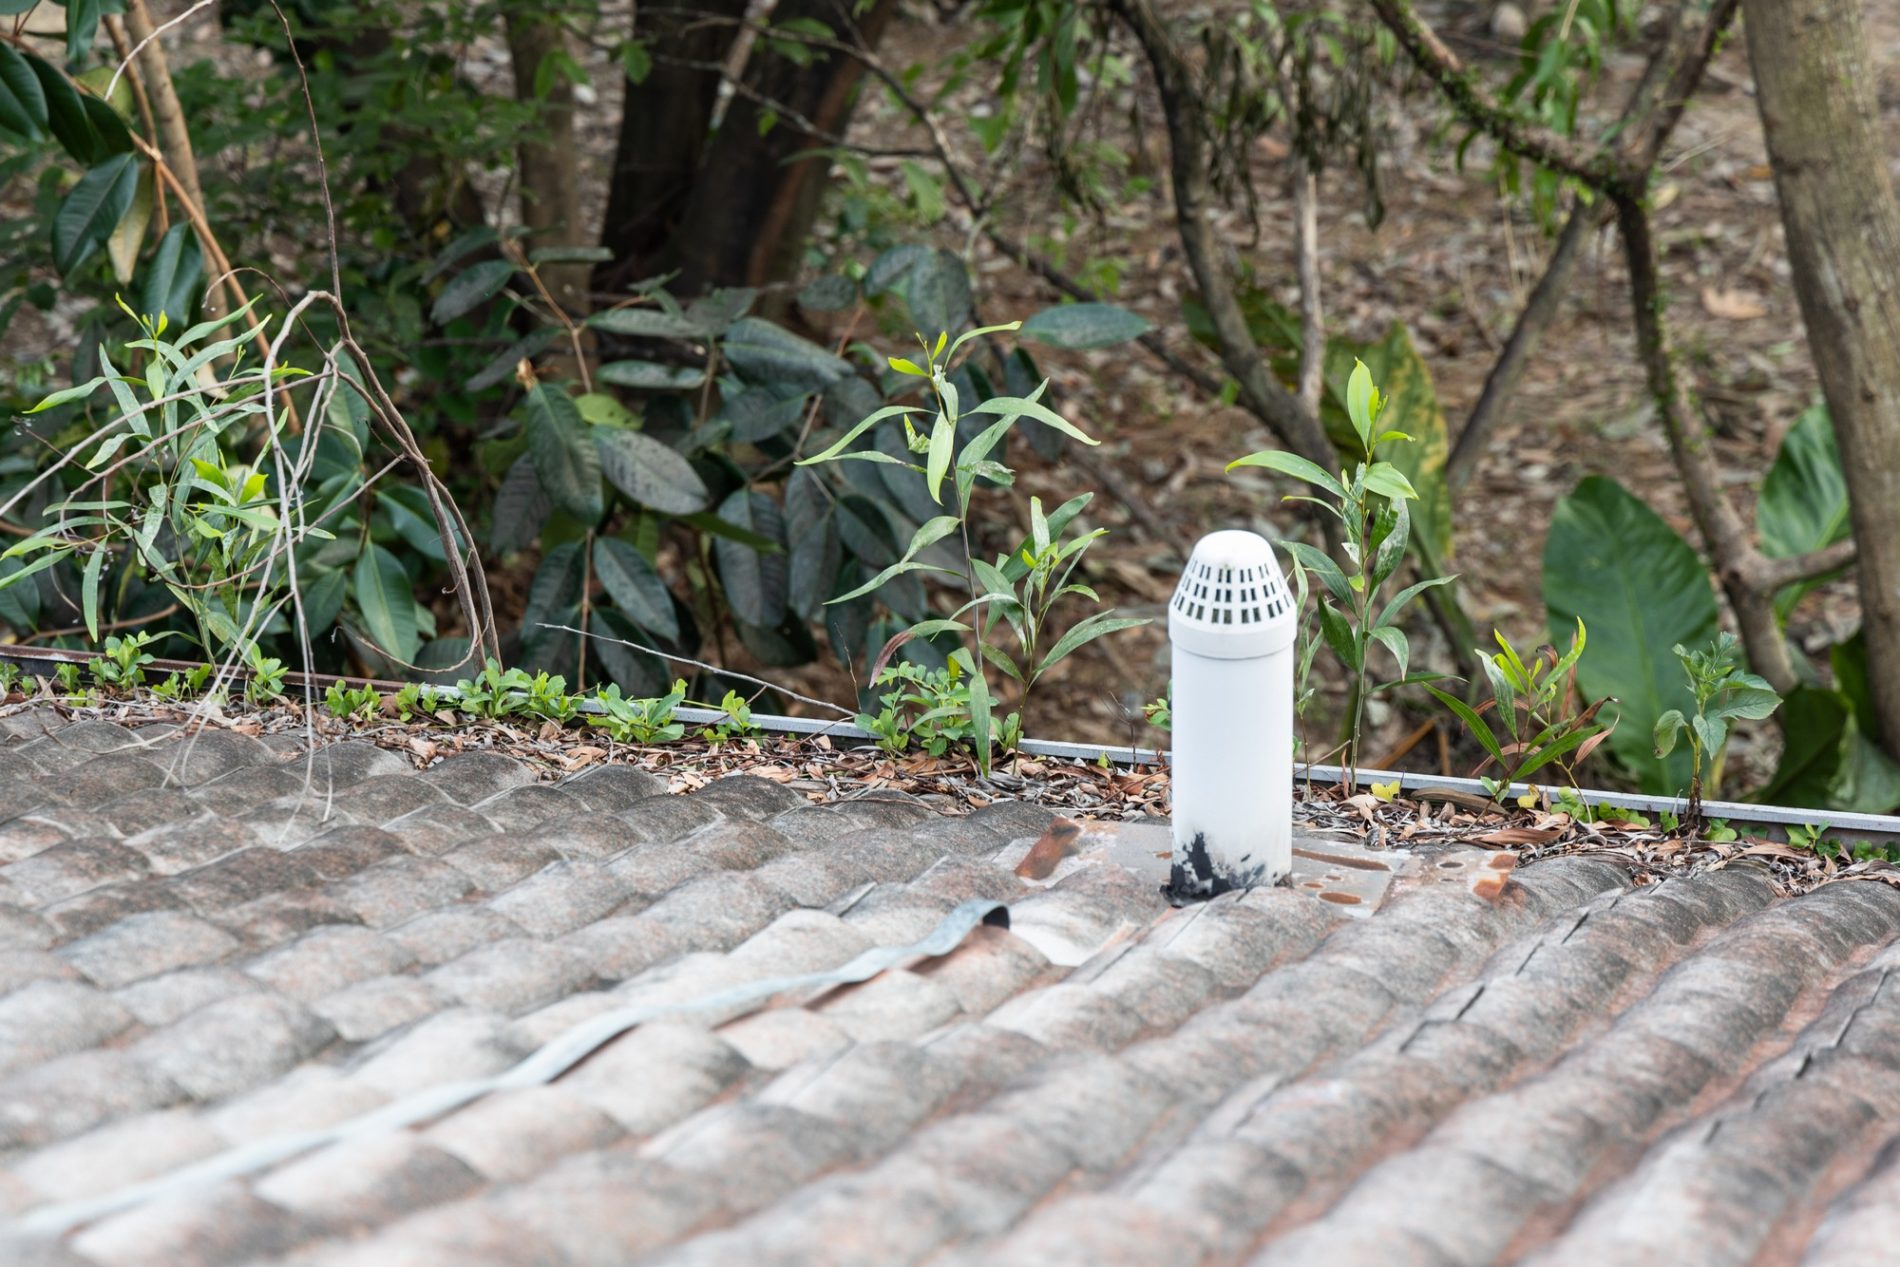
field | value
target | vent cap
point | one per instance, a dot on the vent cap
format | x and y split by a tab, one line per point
1232	602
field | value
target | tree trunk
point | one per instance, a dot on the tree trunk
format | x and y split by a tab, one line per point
756	197
1815	87
664	126
548	179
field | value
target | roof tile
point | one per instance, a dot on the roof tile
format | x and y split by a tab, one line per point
325	959
561	897
184	845
470	777
437	828
233	1045
223	1223
451	1045
493	863
119	1153
440	936
511	977
515	1135
70	868
101	779
163	999
370	1009
608	1207
69	1094
748	796
397	889
610	789
142	946
654	1075
520	808
50	1018
367	1181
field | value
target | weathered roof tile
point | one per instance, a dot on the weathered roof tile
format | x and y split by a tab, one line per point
232	1045
142	946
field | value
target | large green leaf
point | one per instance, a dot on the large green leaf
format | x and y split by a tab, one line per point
635	587
92	210
470	288
1826	762
639	674
816	549
556	588
388	604
1084	326
936	289
651	375
66	115
173	276
755	581
648	472
521	507
565	458
22	100
1638	587
1803	504
1412	407
765	354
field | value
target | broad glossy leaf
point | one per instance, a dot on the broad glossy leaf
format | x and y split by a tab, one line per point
648	472
651	376
174	277
647	323
1803	504
502	368
521	507
1612	563
128	236
768	355
639	674
82	23
108	128
323	598
816	550
387	603
1084	326
564	453
756	582
469	289
66	115
890	267
936	289
1292	464
831	293
635	587
556	587
22	100
92	210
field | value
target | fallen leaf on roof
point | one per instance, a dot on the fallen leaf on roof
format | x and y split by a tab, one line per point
1059	841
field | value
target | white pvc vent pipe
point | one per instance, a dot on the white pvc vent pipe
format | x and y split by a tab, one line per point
1232	625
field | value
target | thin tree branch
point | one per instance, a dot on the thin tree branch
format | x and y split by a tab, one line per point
1265	398
1737	562
1508	369
1771	574
1599	169
1312	314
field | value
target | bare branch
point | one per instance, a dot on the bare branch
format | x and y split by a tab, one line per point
1770	574
1596	168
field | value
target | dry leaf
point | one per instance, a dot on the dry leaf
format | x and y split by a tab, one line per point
1732	305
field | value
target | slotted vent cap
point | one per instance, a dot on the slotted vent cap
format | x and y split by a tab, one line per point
1232	602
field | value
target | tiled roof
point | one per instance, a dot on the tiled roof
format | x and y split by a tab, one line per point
198	954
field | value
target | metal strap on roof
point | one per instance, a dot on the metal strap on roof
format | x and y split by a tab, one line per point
544	1065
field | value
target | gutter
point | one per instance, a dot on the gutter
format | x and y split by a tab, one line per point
1879	828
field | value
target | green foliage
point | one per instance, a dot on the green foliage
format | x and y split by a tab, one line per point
266	683
1536	704
1160	713
1723	694
122	667
1803	503
933	709
1370	503
735	724
359	703
639	721
1019	588
1611	563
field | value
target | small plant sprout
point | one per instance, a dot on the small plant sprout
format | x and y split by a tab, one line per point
359	703
68	678
1370	504
266	684
1723	693
736	723
1160	713
931	708
1536	706
639	721
413	700
1019	588
122	667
